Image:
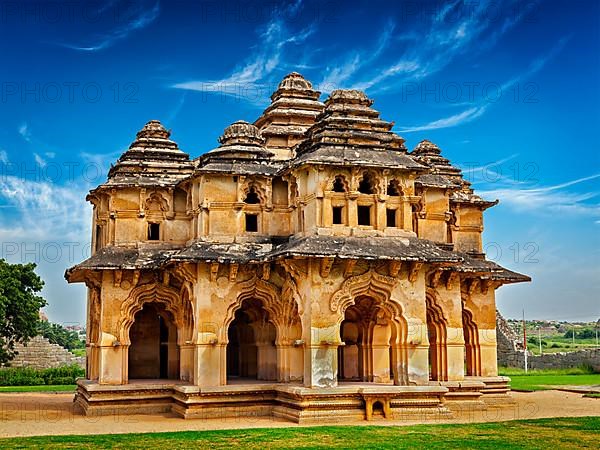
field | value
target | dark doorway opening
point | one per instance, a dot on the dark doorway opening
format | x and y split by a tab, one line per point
153	352
364	215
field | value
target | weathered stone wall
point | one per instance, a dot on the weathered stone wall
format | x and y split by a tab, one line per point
511	353
555	360
41	354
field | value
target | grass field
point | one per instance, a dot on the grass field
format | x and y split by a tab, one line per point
536	380
41	388
525	434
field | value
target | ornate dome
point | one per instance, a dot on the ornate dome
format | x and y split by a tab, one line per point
349	96
154	129
295	81
426	147
241	132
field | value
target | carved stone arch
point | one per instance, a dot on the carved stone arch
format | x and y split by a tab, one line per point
171	299
394	188
94	314
381	308
156	203
370	283
373	180
252	185
336	179
472	347
256	288
437	337
434	307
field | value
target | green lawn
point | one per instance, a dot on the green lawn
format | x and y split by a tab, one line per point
536	380
41	388
565	433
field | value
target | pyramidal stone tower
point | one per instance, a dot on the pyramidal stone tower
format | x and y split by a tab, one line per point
309	267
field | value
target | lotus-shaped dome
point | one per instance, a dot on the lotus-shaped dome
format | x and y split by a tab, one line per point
241	132
154	129
426	147
295	81
349	96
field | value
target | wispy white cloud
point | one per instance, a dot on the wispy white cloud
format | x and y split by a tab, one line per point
477	111
451	121
550	199
43	211
457	28
39	160
256	71
138	17
3	156
23	130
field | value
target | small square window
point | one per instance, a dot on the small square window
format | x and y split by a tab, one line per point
337	215
391	218
252	223
364	215
153	231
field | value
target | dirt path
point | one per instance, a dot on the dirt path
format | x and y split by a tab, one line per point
30	414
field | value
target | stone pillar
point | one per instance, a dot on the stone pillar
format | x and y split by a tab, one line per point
266	361
380	349
208	361
113	364
418	353
186	362
488	353
320	357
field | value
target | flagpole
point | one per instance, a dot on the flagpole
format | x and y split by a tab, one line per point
524	340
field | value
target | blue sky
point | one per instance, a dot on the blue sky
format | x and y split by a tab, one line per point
509	90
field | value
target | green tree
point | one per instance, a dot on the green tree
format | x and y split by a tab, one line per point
57	334
19	306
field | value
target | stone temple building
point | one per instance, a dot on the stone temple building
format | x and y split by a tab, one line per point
309	267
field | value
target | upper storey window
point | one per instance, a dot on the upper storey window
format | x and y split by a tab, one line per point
394	189
153	231
339	184
366	185
252	197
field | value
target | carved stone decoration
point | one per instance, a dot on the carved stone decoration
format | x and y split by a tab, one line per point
282	309
179	306
326	265
394	268
485	286
413	272
349	267
214	271
434	280
156	203
451	280
266	271
233	270
473	285
117	275
376	285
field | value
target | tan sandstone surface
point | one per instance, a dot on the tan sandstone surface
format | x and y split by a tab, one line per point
31	414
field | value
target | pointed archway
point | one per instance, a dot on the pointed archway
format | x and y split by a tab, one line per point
472	349
153	352
251	350
373	329
436	329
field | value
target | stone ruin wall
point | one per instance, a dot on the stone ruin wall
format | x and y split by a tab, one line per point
41	354
511	353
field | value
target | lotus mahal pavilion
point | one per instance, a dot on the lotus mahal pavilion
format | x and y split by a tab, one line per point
310	268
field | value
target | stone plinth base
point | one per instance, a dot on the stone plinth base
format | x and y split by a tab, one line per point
346	402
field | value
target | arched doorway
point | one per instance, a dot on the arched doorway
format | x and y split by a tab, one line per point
251	350
472	351
436	329
368	333
153	352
